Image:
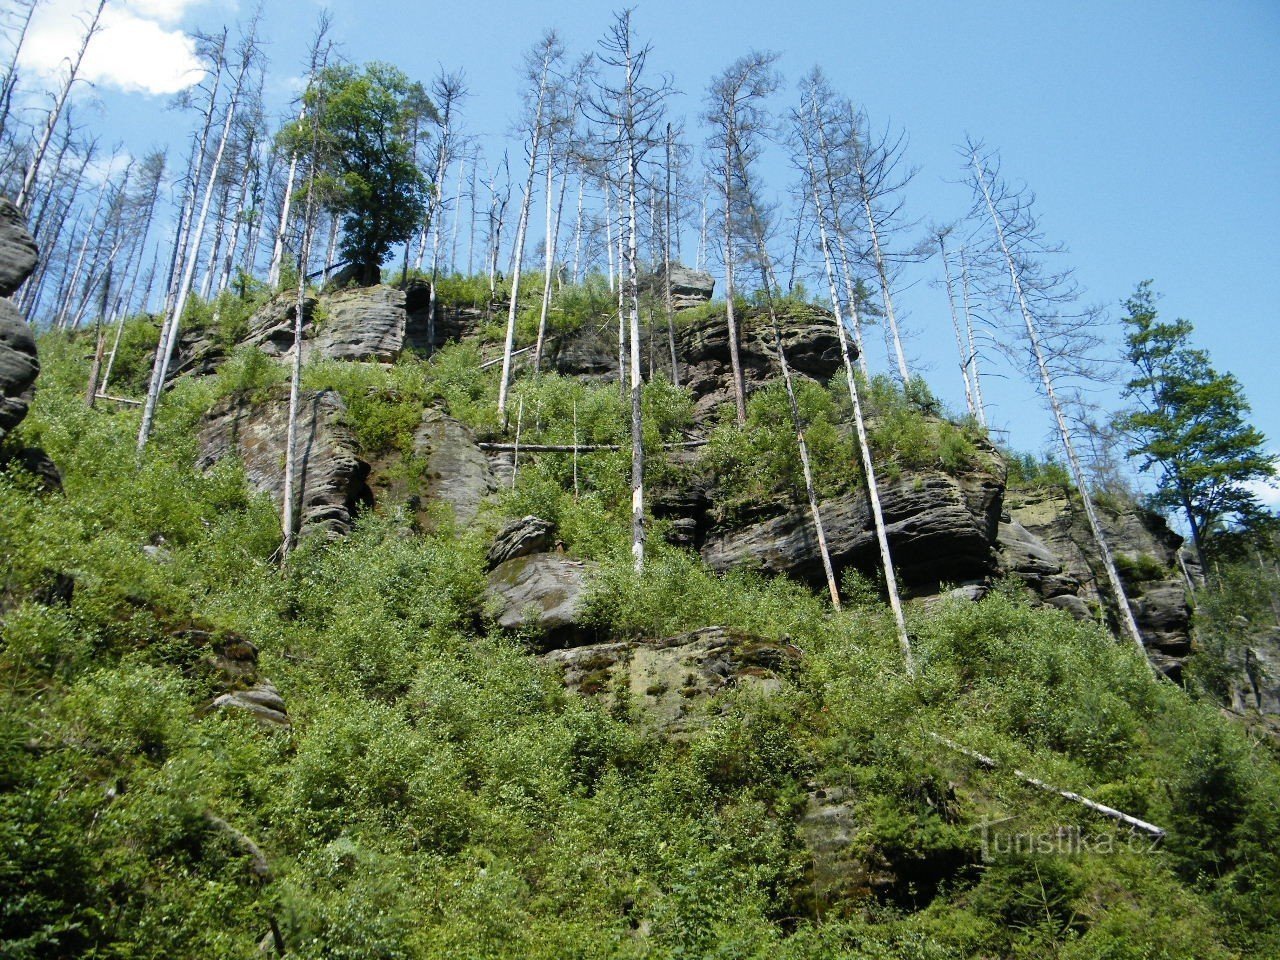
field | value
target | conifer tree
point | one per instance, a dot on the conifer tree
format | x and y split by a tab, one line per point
1190	425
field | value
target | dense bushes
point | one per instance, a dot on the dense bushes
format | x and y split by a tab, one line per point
440	794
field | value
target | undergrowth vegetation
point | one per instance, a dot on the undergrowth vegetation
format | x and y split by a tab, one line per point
440	794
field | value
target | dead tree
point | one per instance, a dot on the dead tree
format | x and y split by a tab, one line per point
879	179
60	101
169	332
734	113
634	108
540	64
448	90
1038	297
969	401
753	79
805	136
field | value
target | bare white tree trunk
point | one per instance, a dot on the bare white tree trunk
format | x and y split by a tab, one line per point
970	405
169	334
971	360
864	445
549	247
1123	611
535	147
33	169
666	268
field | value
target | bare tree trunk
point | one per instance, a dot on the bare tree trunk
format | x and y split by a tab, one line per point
33	169
1123	611
11	74
577	237
535	146
666	258
970	405
971	360
277	250
91	392
169	334
735	364
549	248
882	273
864	445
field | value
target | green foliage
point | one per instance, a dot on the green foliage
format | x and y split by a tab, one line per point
763	458
1028	470
440	794
1190	424
358	133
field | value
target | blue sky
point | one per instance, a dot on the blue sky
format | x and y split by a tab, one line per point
1150	132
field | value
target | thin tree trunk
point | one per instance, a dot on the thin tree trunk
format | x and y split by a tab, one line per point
28	181
970	405
972	359
577	237
1124	612
735	364
91	392
169	335
864	445
549	248
882	272
666	280
513	307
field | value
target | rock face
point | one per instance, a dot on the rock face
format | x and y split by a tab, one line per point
364	323
940	528
457	471
673	680
271	327
1146	551
18	250
542	592
331	475
451	323
19	366
810	340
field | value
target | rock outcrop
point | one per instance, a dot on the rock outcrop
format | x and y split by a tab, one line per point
271	326
808	336
451	470
234	662
519	538
18	251
1146	553
19	365
331	476
672	681
689	288
363	323
940	528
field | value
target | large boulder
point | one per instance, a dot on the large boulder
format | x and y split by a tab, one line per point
673	680
941	528
519	538
19	366
18	250
331	476
542	593
689	288
451	322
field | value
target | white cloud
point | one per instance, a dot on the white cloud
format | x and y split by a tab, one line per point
1268	492
138	49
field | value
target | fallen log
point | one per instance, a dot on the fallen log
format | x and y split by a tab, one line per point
581	448
1102	809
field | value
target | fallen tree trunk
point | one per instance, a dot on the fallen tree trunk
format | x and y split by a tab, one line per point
1110	812
580	448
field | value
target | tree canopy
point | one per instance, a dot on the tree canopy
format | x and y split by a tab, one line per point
1190	424
359	129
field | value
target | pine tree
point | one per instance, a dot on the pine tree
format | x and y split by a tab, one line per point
1189	425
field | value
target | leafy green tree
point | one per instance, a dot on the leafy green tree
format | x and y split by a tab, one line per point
363	148
1189	424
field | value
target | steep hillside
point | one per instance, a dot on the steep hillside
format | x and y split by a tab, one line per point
457	723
